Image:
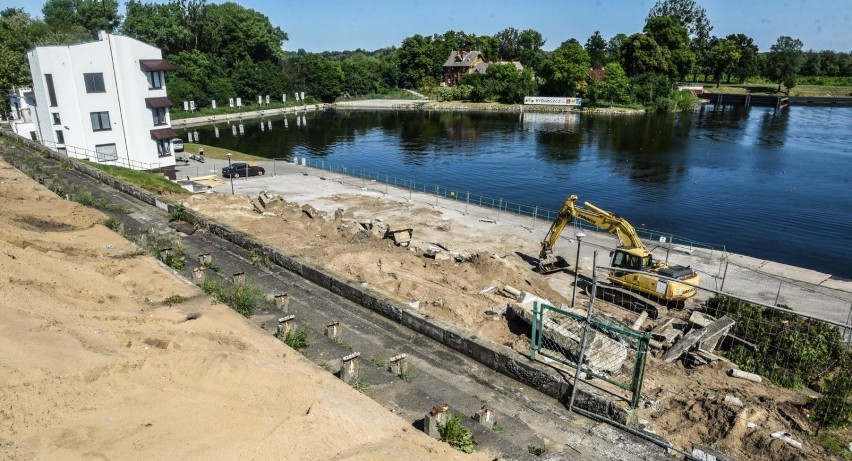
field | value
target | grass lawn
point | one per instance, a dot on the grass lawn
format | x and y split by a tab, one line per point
768	89
217	153
153	182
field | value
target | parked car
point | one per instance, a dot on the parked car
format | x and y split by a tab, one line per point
242	169
177	145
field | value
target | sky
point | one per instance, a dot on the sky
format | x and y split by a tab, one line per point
334	25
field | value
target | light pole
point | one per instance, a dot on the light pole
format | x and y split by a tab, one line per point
579	235
231	174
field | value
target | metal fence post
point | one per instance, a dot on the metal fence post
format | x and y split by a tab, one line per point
585	332
534	333
436	196
386	184
639	369
535	213
849	329
466	201
499	206
724	275
778	293
343	178
668	250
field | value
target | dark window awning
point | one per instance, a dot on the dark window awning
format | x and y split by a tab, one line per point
153	65
157	103
163	133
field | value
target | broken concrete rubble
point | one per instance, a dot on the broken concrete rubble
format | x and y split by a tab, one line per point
695	335
603	354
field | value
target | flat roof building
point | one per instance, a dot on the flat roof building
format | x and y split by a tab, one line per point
104	101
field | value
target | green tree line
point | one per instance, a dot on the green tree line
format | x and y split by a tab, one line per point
226	50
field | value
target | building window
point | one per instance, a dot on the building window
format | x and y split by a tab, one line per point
100	121
164	148
60	137
94	83
106	152
155	80
51	92
56	119
160	115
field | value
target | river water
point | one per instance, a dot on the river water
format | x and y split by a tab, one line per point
770	184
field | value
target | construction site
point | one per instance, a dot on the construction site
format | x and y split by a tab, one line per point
658	347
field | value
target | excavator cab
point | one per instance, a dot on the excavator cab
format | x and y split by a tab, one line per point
630	260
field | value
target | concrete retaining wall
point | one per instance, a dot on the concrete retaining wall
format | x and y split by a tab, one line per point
548	380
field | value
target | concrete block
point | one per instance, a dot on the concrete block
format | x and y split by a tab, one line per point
282	302
485	416
351	367
438	415
198	274
286	325
398	364
332	330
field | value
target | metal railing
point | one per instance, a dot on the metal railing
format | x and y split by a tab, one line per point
607	352
81	153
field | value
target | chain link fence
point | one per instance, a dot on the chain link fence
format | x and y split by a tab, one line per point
737	369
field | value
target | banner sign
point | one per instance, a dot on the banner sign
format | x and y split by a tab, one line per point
553	101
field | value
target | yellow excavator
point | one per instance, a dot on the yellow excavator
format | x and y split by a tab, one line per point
630	255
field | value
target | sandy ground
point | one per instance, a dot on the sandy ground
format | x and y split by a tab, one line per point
685	406
94	365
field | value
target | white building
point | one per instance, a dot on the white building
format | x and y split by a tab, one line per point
21	103
105	101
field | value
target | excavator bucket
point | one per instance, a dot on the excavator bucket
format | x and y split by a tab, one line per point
551	264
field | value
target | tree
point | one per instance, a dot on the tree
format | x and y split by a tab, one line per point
669	33
18	34
565	70
723	55
507	40
415	60
89	16
641	54
747	65
613	48
530	43
596	47
613	89
784	61
237	34
691	16
316	75
164	25
687	12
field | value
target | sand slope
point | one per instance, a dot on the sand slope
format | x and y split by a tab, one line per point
95	366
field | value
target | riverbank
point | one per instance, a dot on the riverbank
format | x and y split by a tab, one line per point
236	117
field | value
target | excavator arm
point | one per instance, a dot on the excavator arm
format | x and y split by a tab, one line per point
604	220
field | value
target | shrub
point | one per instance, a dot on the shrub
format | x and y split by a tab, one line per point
458	436
298	339
791	351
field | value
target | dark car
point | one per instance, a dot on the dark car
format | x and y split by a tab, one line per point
237	170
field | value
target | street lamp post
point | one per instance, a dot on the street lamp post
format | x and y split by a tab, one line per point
579	235
230	173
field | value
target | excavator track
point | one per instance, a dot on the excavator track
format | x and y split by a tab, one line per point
627	299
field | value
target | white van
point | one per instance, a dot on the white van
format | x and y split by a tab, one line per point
177	145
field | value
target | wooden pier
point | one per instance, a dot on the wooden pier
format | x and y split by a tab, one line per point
747	100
